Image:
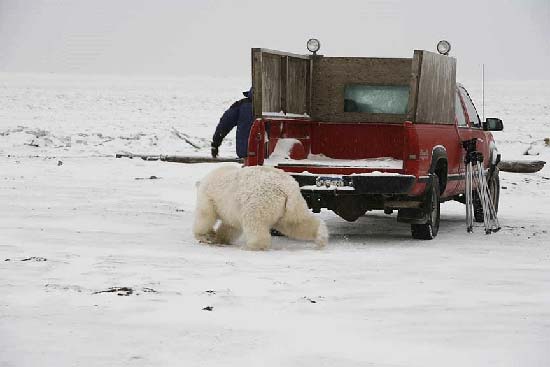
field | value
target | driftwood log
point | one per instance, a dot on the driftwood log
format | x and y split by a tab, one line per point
181	158
191	159
521	166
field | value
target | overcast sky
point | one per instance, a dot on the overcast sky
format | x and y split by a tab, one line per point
192	37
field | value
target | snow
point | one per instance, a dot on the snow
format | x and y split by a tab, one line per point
378	173
281	151
283	114
75	222
279	158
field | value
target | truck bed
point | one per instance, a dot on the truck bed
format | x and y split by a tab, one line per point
296	146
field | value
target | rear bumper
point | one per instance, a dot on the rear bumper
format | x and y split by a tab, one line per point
359	184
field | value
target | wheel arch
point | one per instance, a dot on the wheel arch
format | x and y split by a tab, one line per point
440	166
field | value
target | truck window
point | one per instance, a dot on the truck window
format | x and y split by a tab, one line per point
390	99
461	119
470	108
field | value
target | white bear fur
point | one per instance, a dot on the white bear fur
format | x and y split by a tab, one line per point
252	201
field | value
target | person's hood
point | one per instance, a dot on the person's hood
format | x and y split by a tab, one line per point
248	93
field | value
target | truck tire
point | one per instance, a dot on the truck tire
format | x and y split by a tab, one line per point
428	230
494	191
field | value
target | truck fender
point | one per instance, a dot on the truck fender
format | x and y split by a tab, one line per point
494	158
439	156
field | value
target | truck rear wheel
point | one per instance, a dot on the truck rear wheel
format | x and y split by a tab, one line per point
428	230
494	192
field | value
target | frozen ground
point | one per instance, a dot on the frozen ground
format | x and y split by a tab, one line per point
75	222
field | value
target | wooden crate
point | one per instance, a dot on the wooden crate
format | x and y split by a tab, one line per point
304	86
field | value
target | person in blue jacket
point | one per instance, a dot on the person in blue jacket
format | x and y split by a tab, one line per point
240	115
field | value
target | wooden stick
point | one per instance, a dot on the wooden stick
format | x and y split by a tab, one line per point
180	158
196	159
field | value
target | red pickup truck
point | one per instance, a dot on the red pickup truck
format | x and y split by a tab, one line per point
361	134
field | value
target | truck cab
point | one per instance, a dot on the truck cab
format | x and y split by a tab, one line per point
361	133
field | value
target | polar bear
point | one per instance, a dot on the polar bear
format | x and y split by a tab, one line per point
251	201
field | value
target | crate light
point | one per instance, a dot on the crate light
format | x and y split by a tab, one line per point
443	47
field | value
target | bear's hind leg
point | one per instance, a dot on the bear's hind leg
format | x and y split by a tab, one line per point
258	236
226	234
308	228
260	211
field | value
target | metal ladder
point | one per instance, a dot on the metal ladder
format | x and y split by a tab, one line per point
475	179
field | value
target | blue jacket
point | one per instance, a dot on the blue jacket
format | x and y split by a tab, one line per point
240	115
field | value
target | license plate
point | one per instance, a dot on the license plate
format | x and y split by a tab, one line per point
329	181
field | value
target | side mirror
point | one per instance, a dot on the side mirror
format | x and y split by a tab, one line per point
493	124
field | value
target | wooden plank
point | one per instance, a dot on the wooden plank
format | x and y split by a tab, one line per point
283	53
309	85
297	86
414	83
281	82
271	83
284	84
332	74
521	166
257	83
436	89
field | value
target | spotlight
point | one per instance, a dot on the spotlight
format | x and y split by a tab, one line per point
443	47
313	45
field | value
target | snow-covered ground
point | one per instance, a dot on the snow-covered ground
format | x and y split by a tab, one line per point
76	222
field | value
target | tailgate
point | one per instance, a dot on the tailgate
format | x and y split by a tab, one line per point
346	157
334	148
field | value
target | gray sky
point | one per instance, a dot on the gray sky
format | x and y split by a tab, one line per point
192	37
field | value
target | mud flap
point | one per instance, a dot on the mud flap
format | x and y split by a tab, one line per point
417	216
412	216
